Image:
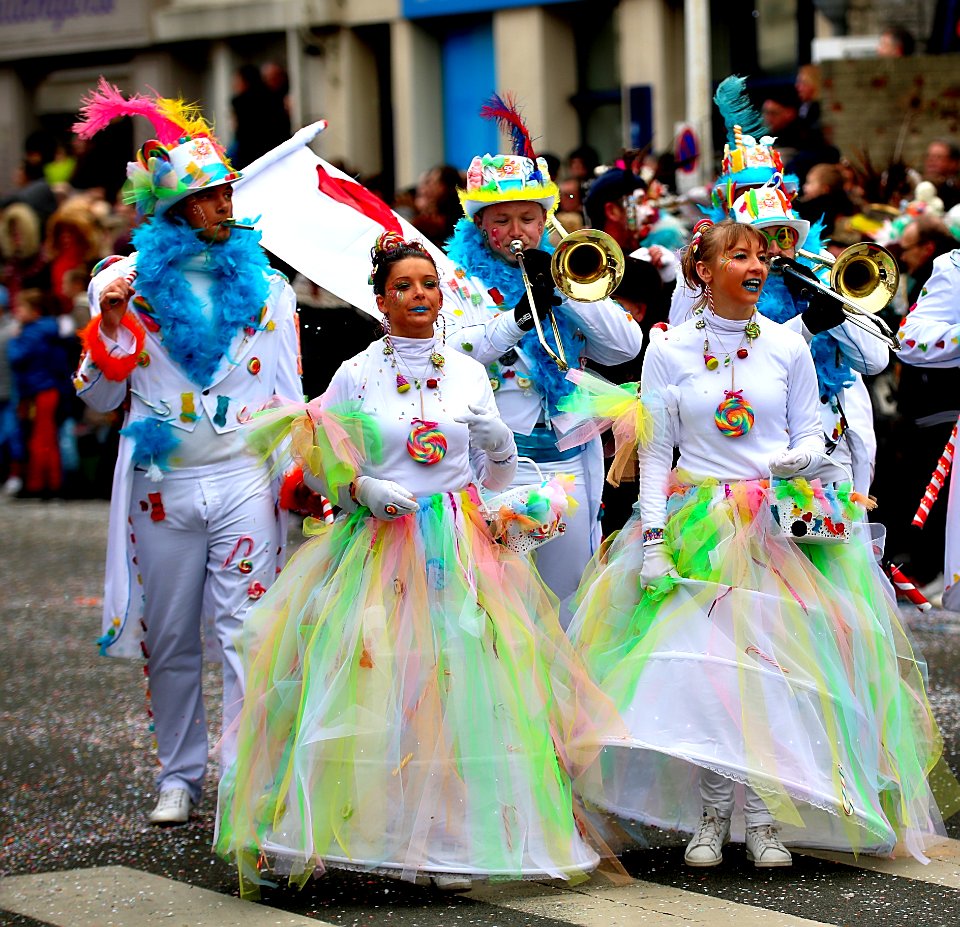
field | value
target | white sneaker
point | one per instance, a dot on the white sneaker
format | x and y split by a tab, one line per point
173	807
452	883
706	847
12	486
764	848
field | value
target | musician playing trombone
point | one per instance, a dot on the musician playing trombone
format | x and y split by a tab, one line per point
490	316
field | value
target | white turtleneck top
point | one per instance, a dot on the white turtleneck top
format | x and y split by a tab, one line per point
371	378
777	378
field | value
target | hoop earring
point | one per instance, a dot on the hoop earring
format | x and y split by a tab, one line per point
385	324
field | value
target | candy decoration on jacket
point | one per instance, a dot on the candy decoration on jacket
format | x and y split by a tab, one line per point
936	481
909	590
157	512
220	417
734	416
427	444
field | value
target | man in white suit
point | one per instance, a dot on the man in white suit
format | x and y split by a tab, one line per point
195	332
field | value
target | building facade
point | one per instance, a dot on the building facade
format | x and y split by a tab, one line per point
399	81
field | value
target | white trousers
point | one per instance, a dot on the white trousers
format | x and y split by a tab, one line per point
716	791
561	562
203	563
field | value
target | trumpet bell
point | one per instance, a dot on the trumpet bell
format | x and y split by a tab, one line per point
867	274
588	265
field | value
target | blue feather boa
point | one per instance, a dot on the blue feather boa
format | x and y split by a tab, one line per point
240	272
467	249
153	442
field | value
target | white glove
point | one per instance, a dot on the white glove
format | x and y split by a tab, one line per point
384	498
786	464
657	563
488	433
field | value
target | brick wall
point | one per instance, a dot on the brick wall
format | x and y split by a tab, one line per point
885	106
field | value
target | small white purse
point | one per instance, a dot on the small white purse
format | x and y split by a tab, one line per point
810	514
525	517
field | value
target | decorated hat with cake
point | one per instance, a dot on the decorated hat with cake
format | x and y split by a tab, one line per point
749	158
520	177
184	157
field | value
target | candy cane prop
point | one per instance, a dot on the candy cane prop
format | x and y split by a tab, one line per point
326	510
902	584
936	481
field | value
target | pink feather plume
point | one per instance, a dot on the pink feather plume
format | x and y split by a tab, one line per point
101	106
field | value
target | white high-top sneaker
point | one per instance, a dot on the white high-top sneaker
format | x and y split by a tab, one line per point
173	807
764	848
706	847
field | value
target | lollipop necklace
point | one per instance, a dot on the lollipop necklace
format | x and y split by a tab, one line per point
426	443
734	416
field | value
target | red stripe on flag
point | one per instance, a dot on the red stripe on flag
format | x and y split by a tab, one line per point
360	198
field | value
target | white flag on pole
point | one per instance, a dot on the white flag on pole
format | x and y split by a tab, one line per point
326	236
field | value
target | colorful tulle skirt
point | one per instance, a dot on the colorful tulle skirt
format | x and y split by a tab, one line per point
778	665
412	706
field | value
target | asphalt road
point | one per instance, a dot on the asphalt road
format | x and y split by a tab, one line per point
76	778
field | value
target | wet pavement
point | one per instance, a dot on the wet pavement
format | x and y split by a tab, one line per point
76	768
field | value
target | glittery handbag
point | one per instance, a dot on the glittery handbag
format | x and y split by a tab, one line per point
809	513
525	517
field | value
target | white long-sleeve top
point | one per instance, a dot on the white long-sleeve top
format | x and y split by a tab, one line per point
371	378
485	332
864	353
930	334
778	380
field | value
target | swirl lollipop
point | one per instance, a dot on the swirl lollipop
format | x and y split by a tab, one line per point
427	444
734	416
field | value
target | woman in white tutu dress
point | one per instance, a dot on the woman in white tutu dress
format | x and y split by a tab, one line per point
753	671
412	706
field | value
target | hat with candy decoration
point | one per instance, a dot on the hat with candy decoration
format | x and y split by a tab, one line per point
749	158
767	206
520	177
184	157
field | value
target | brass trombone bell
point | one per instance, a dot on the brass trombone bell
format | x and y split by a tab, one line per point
587	265
865	274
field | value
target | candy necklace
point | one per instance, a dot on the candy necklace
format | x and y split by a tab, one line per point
403	384
426	443
734	416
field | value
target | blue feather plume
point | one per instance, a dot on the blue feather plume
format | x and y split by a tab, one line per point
735	106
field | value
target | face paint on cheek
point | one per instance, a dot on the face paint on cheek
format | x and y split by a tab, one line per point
495	235
726	264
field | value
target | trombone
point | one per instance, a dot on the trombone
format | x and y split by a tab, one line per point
863	279
587	266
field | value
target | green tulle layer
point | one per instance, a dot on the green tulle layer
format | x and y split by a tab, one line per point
782	666
412	705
